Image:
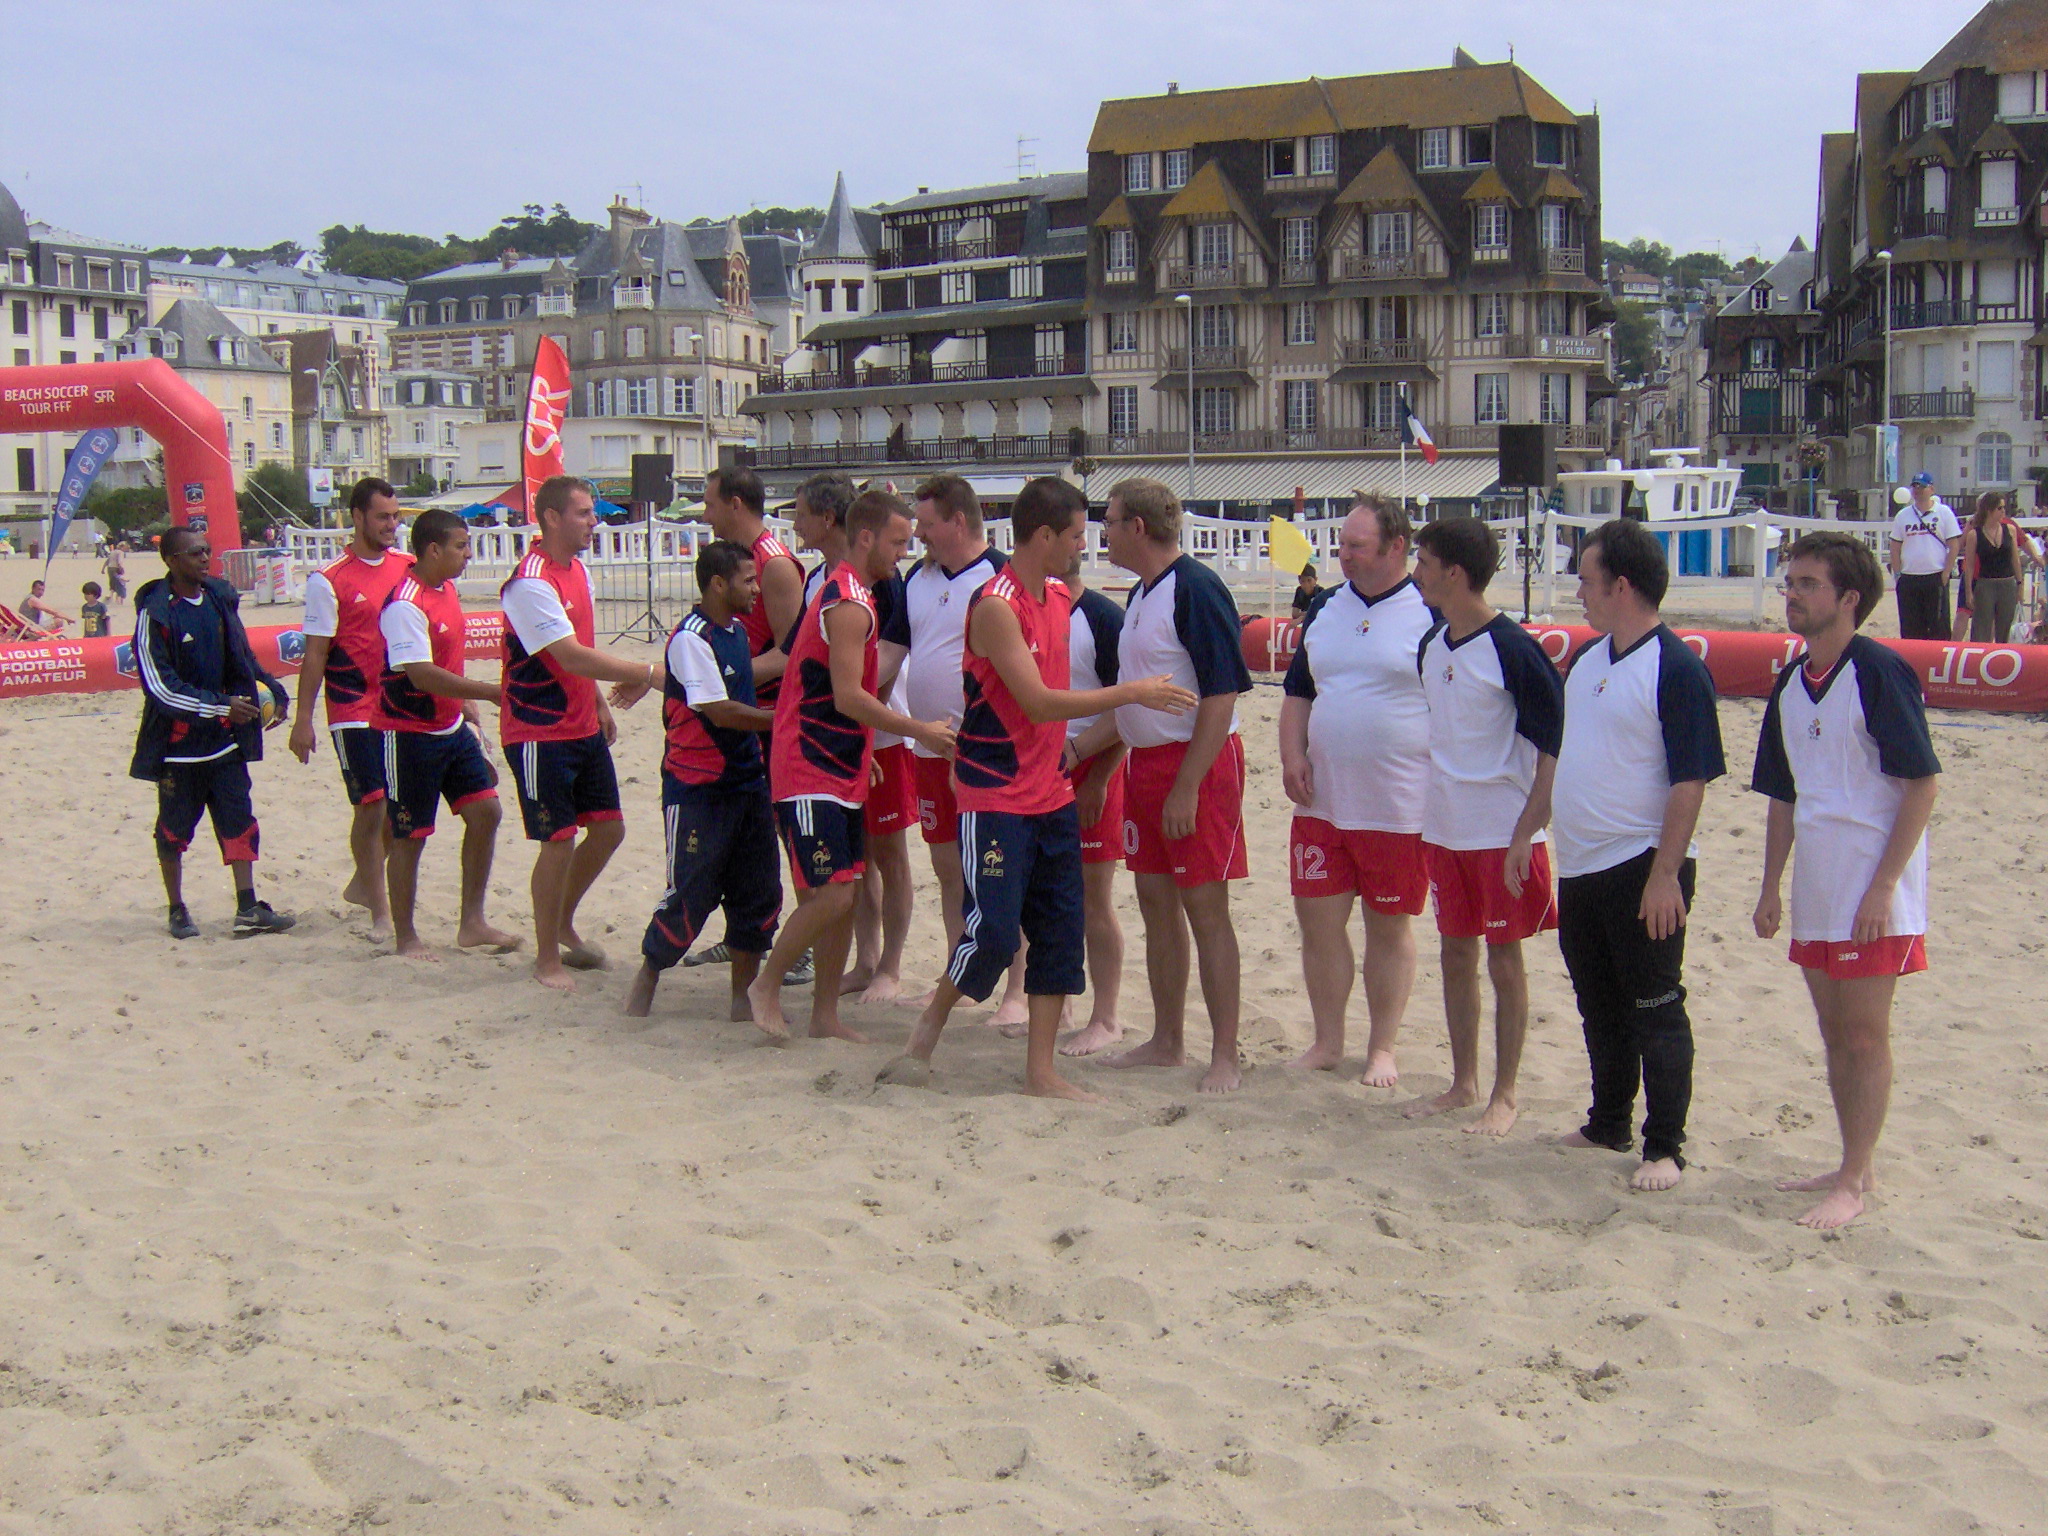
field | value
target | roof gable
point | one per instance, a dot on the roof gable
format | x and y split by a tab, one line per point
1385	179
1487	187
1208	195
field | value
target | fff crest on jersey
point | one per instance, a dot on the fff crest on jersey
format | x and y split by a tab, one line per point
1813	729
1365	626
1449	673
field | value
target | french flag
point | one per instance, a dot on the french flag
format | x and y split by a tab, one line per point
1414	434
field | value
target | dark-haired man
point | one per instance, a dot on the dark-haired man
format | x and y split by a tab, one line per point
1020	837
426	711
1846	760
1495	715
736	506
202	725
716	811
558	732
1641	740
822	751
345	657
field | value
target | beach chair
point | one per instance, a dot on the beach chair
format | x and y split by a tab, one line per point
14	627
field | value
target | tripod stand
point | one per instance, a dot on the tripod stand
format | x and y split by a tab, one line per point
647	624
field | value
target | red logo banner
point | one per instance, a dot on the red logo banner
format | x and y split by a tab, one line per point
547	402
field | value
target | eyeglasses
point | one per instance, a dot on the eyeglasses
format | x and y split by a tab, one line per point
1805	586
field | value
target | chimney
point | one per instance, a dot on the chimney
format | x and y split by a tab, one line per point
625	219
1173	87
506	258
921	191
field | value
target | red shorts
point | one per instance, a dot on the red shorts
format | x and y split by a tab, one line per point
892	792
1217	849
1102	841
1472	900
1898	954
937	813
1384	868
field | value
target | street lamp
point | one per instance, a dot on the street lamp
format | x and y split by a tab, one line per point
1884	435
696	341
1187	301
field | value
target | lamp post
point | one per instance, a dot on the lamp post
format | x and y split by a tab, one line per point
316	447
1884	436
696	341
1187	303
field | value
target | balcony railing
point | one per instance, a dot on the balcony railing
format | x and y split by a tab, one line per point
1914	317
1571	435
1227	274
1748	424
1070	365
640	296
1989	218
1925	224
947	250
1484	253
1404	349
1935	405
1119	274
1391	266
1561	258
1575	437
1295	273
1046	447
557	304
1205	357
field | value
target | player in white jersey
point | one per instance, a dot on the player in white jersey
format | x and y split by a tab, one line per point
1845	758
1354	756
1093	639
1641	740
1495	715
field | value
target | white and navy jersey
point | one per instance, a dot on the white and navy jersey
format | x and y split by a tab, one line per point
1368	734
892	624
935	628
1093	636
1182	625
1495	705
1634	725
708	663
1840	752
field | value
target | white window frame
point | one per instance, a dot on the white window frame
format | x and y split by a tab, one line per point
1564	146
1434	152
1215	244
1123	410
636	341
1216	325
1489	398
1994	458
1941	104
1760	355
597	344
1122	253
1322	154
1390	232
1298	238
1123	331
1554	399
2023	95
1465	155
1178	165
1300	405
1489	315
1549	306
1301	323
1215	411
1490	220
1138	172
1553	226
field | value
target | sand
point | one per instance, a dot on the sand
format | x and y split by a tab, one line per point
304	1238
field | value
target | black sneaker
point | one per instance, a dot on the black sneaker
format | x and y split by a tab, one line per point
260	919
182	926
717	954
802	973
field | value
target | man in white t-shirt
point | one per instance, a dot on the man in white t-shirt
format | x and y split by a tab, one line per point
1925	538
1354	756
1846	760
1641	740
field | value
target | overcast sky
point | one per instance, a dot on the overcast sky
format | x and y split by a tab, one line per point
235	122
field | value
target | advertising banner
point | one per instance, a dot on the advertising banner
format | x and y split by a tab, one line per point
547	402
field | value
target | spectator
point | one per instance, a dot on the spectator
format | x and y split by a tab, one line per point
1992	544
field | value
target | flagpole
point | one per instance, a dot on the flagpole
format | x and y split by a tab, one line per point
1404	466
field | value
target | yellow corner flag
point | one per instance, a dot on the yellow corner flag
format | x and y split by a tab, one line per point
1288	547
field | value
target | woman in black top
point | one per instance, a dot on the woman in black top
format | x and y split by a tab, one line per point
1991	547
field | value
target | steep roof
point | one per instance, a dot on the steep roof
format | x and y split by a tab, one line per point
52	234
1208	195
2006	37
1385	179
1487	187
1420	98
840	237
198	325
1117	215
13	222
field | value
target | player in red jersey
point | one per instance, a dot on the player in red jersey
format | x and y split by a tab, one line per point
558	732
820	756
1020	836
345	654
427	712
735	504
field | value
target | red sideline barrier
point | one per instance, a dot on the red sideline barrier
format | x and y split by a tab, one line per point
102	666
1955	674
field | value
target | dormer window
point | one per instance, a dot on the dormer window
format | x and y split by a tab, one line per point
1553	144
1436	149
415	314
447	311
2023	95
1280	158
1177	168
1941	104
1760	298
1322	154
1479	145
1214	246
1138	172
479	309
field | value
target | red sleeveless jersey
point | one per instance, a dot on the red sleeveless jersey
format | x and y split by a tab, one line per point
760	628
401	706
816	750
355	654
1004	761
540	701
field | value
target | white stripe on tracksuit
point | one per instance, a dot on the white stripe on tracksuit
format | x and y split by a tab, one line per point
153	681
671	816
391	768
970	866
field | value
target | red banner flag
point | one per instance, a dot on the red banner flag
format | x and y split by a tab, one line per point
547	402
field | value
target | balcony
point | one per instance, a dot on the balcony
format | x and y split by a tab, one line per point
1928	224
1559	258
1403	349
1571	436
1749	424
1936	405
1916	317
945	251
1573	349
1227	274
1995	218
1047	447
1206	358
1294	274
1119	274
635	296
1486	253
1391	266
557	304
1071	365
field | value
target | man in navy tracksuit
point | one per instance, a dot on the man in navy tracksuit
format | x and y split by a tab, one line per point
201	725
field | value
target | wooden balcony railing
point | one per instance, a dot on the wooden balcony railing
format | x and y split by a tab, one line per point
1228	274
1913	317
1205	357
1404	349
1391	266
947	250
1563	258
1045	447
1071	365
1296	273
1935	405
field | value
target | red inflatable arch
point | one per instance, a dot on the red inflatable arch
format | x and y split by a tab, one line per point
199	477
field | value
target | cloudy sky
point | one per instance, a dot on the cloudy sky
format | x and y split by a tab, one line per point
231	121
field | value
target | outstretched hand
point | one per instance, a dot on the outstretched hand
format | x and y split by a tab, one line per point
1163	694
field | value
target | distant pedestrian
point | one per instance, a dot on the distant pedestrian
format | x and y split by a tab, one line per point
1925	539
117	572
1305	589
1992	546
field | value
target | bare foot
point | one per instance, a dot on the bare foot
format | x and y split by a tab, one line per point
1099	1033
358	893
764	1008
883	989
924	999
1497	1119
554	976
1577	1139
1059	1088
1655	1174
1151	1054
413	949
1009	1017
855	980
832	1029
640	995
1223	1076
1449	1099
906	1072
579	956
1380	1071
1015	1029
1841	1207
1318	1058
380	930
1822	1181
741	1013
471	935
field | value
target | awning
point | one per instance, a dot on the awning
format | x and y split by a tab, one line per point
1369	373
1333	476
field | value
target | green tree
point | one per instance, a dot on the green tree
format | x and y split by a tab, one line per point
1638	255
422	483
269	492
128	509
764	221
1695	269
1635	341
537	231
361	252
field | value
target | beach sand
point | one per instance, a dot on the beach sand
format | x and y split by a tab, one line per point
304	1238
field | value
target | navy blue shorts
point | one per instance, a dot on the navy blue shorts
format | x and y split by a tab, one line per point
721	853
219	789
564	785
827	842
360	751
1023	878
423	769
